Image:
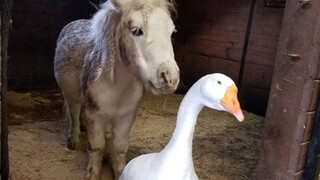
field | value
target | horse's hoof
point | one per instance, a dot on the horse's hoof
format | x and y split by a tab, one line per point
73	143
92	175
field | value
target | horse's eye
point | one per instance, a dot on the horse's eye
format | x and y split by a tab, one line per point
219	82
137	31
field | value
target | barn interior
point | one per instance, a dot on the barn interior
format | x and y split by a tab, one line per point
242	39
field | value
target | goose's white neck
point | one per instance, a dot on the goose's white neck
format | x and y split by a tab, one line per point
190	107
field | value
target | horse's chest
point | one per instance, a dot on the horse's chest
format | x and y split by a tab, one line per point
113	100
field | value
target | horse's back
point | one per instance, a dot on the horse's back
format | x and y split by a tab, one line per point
72	45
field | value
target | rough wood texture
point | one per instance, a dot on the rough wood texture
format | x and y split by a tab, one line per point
291	92
212	33
261	53
5	7
210	39
309	126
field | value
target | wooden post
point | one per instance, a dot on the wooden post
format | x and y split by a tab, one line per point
0	76
283	146
6	6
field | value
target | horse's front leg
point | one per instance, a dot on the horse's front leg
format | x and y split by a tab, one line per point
120	130
96	138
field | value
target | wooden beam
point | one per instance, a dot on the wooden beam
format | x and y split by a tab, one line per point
291	91
0	80
5	7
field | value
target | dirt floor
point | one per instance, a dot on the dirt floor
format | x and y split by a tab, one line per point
223	149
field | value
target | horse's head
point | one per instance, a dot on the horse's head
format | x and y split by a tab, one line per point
144	40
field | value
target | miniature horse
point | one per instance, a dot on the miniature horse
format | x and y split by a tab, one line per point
102	66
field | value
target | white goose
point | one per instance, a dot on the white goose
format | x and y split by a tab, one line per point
174	162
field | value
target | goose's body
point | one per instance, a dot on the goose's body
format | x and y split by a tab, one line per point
174	162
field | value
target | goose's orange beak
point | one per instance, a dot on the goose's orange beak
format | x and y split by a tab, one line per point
231	104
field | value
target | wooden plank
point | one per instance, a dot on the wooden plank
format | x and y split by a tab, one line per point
211	29
257	76
315	95
308	128
196	66
211	48
318	73
0	74
230	68
298	176
264	36
302	156
291	91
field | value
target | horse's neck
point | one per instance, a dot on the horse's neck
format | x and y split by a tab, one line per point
123	75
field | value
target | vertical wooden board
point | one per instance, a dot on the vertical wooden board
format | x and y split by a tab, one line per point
298	176
0	76
308	128
291	91
264	34
315	95
213	29
302	156
318	73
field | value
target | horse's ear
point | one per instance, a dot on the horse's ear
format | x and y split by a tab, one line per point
119	3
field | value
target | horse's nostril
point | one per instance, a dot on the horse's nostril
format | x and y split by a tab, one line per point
166	77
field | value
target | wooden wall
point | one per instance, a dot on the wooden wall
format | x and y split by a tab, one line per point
211	38
294	95
35	28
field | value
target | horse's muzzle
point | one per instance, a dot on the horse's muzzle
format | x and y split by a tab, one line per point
168	79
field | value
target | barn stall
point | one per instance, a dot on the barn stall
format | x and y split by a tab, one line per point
263	46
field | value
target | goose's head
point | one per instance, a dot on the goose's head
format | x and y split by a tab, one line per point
219	92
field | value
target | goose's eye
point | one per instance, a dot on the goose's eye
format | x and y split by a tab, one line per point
219	82
137	31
